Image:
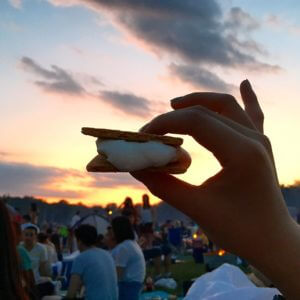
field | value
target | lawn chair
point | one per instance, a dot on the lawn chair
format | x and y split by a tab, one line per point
66	273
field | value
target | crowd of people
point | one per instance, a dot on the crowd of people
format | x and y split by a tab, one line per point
241	204
111	265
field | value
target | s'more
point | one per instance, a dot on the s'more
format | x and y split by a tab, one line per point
125	151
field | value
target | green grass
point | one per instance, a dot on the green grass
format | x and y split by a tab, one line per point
181	272
185	271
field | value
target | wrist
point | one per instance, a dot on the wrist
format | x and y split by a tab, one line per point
279	259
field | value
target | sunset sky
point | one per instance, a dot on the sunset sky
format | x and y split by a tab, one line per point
66	64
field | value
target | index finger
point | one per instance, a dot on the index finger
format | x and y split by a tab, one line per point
223	104
223	141
252	106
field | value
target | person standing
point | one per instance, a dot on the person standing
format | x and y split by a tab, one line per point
147	214
128	210
34	213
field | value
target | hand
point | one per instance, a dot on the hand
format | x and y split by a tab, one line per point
240	208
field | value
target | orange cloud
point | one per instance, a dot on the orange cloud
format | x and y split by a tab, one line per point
20	179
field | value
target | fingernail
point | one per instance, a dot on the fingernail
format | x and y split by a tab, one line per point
248	84
144	127
176	100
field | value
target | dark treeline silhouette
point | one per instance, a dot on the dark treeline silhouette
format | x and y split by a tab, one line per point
62	212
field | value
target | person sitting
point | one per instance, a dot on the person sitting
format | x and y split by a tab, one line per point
38	255
51	252
26	266
93	268
129	259
54	238
101	242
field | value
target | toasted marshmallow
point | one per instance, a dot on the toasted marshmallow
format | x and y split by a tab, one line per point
134	156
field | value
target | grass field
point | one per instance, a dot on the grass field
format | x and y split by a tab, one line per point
183	271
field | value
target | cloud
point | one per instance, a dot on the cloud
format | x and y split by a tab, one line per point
128	103
200	77
279	23
237	20
196	35
4	154
89	80
16	3
60	81
194	31
26	179
238	26
55	80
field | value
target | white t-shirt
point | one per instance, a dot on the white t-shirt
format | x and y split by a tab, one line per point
129	255
38	255
146	215
52	255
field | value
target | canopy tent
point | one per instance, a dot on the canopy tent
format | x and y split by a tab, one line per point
15	215
96	220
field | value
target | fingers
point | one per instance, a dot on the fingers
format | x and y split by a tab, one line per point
185	197
223	141
253	134
227	106
167	187
252	106
223	104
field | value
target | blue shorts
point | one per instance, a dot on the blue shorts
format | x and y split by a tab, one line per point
130	290
165	250
152	253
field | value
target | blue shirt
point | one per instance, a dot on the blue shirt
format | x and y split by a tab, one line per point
97	271
25	258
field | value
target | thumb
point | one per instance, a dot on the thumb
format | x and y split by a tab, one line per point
167	187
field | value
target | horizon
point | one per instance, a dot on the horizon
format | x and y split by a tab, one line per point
67	65
64	201
295	185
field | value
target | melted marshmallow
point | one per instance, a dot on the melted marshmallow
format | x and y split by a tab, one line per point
134	156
